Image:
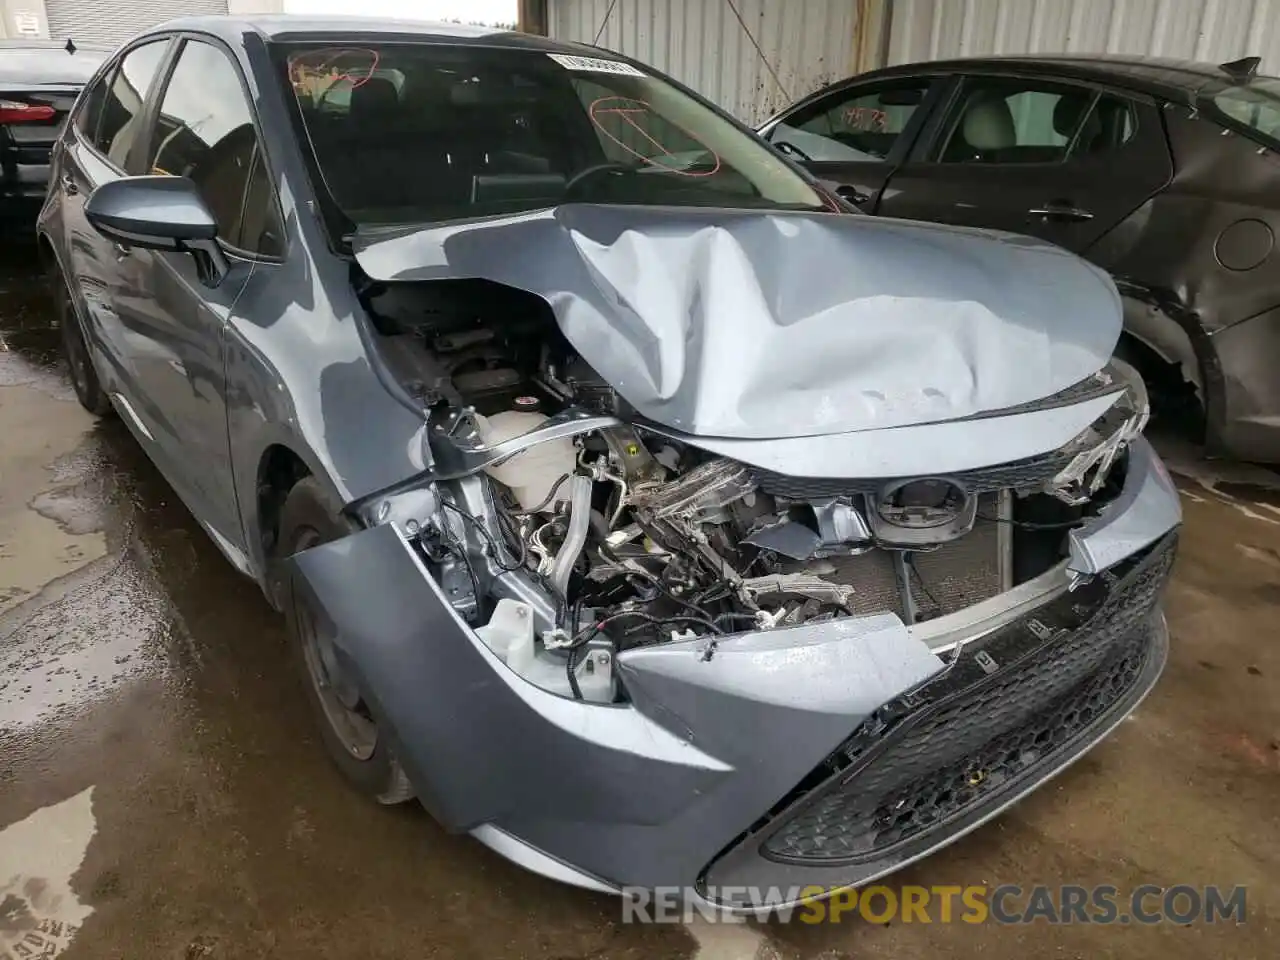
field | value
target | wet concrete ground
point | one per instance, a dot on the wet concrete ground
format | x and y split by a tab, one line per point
162	794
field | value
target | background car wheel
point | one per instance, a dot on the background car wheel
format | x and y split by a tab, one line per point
84	379
348	729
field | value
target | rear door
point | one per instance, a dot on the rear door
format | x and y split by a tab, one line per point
96	145
1064	161
202	128
853	138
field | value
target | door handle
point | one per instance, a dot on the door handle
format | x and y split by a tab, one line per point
121	250
852	194
69	184
1061	210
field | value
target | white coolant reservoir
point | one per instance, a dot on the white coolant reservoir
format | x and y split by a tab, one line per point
533	472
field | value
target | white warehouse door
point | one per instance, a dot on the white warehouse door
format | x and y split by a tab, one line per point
113	21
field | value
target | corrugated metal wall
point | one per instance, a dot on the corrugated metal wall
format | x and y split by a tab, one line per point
702	43
1213	30
812	42
117	21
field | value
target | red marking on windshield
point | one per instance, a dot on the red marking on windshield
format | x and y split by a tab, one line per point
866	118
627	109
322	65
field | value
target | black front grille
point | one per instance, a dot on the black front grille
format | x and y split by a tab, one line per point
968	735
1030	473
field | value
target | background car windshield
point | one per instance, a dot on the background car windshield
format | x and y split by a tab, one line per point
405	133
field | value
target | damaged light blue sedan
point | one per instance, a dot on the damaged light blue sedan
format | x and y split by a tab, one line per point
633	507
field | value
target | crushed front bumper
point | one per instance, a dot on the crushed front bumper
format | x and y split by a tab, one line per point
1014	708
819	755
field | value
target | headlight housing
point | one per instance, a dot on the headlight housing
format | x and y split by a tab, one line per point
1094	450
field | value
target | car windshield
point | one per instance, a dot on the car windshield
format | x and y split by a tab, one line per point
1256	105
413	132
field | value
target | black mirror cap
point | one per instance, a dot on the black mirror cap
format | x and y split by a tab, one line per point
157	212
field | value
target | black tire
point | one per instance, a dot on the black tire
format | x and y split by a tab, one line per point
347	727
84	378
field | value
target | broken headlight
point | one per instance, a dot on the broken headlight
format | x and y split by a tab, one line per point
1095	449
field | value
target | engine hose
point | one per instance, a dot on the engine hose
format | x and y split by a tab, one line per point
546	500
576	537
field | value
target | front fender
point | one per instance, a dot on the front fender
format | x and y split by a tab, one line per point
646	792
299	374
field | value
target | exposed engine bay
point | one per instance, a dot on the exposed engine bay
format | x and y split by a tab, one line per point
590	541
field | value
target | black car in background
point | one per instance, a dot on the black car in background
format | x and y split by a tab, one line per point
1165	173
39	81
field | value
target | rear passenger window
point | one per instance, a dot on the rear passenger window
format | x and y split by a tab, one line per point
1018	121
122	107
204	131
852	125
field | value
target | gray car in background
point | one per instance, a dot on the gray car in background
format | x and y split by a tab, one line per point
630	509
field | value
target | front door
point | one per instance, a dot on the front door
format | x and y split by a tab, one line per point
1061	161
99	137
203	130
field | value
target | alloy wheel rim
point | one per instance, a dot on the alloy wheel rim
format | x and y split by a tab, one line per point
344	708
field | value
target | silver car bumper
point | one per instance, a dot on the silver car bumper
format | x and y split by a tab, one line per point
786	758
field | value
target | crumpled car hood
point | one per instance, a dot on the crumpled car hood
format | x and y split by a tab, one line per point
761	325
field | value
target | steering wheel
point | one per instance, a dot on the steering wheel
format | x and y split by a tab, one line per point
791	150
586	173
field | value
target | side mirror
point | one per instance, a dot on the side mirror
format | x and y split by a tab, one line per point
159	213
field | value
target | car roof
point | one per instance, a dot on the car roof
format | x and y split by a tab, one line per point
37	62
1163	77
288	27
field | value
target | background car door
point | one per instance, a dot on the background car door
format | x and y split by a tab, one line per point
1060	161
97	141
202	129
854	137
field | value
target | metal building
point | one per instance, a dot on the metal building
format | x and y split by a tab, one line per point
752	56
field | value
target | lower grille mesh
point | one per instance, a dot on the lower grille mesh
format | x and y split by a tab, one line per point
944	760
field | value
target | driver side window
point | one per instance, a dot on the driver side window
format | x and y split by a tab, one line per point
204	131
853	125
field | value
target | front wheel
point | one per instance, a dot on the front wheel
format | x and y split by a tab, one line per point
347	726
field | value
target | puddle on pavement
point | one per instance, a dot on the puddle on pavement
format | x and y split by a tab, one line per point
29	348
64	539
39	912
47	529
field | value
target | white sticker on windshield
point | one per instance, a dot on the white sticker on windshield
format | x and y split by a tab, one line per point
595	65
